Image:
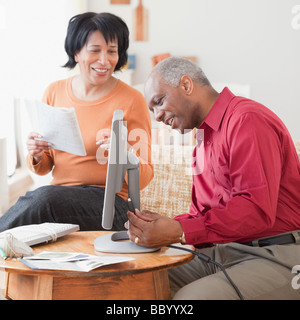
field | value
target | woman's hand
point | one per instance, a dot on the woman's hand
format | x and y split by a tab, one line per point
103	139
36	146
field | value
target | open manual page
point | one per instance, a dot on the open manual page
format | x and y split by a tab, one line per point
71	261
59	126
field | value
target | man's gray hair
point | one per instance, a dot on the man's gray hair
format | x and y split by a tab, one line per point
172	69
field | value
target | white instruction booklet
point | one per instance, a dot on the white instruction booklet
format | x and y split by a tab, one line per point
71	261
59	126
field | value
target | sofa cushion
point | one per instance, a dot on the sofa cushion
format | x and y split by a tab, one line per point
169	193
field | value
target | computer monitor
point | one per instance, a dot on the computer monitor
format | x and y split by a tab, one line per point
120	161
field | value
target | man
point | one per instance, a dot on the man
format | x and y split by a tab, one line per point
247	188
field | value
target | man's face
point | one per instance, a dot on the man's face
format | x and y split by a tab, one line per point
169	105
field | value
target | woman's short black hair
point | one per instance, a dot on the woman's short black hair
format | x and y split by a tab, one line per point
82	25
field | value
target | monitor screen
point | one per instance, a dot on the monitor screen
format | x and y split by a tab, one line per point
120	161
116	168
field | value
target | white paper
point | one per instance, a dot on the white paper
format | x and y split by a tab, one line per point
71	261
59	126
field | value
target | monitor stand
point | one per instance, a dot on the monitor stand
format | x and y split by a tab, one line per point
112	243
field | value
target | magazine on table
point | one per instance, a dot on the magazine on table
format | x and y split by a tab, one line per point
72	261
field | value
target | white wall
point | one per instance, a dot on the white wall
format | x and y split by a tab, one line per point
32	45
255	42
32	34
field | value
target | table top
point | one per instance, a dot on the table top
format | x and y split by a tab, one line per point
83	241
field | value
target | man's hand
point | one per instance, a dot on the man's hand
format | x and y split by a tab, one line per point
152	229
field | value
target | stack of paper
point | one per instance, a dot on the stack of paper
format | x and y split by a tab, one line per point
72	261
59	126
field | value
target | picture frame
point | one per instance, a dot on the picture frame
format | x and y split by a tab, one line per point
119	1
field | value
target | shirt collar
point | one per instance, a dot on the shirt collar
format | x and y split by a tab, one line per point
215	115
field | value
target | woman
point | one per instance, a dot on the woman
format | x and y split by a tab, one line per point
98	43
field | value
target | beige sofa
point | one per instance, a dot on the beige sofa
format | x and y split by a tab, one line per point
169	193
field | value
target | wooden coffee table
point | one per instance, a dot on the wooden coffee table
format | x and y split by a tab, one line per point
145	278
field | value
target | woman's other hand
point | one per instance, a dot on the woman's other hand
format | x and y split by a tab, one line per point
103	139
36	146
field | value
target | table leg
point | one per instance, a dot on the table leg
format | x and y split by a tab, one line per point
162	285
24	287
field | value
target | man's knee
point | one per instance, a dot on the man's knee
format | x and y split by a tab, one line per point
257	279
213	287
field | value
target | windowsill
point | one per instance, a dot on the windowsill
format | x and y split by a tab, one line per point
18	184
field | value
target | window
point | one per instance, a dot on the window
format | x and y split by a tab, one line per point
7	130
2	17
32	34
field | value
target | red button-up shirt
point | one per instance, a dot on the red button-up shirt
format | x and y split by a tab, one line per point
246	177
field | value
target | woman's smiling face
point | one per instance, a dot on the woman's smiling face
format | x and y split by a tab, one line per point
97	59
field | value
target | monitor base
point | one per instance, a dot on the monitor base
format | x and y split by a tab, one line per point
111	243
